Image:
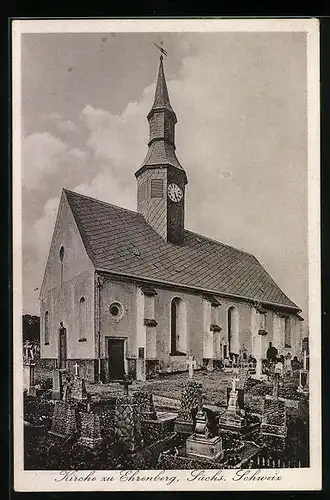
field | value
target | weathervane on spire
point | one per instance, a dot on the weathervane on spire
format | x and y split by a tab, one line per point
162	50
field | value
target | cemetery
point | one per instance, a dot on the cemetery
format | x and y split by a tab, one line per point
196	419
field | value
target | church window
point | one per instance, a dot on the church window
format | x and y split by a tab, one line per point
61	255
116	310
46	327
233	330
287	332
262	321
157	188
178	327
82	318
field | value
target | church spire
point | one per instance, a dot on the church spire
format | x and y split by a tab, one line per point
161	179
162	120
162	100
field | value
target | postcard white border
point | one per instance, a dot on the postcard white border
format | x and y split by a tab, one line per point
291	479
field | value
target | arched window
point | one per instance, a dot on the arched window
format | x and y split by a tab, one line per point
178	327
61	256
46	327
82	318
233	330
287	332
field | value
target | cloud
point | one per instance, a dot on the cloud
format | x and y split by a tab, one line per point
36	243
53	116
107	188
44	156
119	140
67	126
60	124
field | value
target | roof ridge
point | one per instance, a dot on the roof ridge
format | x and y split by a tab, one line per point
101	201
217	241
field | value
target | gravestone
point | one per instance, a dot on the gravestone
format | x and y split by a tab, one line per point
189	403
273	421
303	376
127	423
29	376
154	425
278	369
78	390
234	419
227	365
243	375
191	365
210	365
58	383
141	372
126	382
145	402
287	364
90	430
201	444
64	422
240	398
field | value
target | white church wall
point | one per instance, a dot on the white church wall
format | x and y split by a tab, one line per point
62	305
115	291
75	260
65	275
244	322
208	335
193	309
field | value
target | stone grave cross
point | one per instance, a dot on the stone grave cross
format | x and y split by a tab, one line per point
305	360
191	365
125	383
233	382
275	384
76	369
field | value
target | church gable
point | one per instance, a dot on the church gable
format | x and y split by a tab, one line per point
67	256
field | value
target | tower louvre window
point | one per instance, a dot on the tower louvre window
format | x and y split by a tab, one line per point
157	188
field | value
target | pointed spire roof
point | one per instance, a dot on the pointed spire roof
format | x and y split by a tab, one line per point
162	100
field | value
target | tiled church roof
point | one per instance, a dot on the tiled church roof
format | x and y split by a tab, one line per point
120	241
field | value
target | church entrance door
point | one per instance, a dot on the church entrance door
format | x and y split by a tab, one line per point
116	359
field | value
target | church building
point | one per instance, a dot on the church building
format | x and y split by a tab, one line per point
134	292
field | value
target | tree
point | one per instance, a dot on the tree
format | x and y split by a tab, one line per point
31	328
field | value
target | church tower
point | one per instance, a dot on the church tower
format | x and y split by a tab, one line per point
161	179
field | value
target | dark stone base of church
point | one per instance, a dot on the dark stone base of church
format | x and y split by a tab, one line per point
152	368
47	363
86	368
131	367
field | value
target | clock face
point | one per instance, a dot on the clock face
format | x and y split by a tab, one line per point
174	193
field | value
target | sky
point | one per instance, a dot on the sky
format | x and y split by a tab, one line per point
241	104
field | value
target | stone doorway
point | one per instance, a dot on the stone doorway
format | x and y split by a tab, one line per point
116	359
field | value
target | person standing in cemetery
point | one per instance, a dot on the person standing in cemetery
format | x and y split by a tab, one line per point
295	364
272	353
